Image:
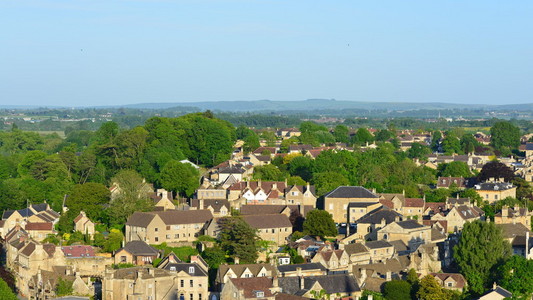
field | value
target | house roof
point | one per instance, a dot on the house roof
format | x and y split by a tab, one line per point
216	204
268	221
170	217
377	244
304	267
39	207
78	251
361	204
410	224
239	269
265	209
185	267
458	278
414	202
494	186
509	231
351	192
467	212
140	219
355	248
250	286
520	241
332	284
231	170
399	245
28	249
79	217
140	248
39	226
376	217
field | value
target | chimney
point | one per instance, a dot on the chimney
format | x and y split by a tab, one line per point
363	276
505	211
389	276
397	219
151	271
403	192
236	260
201	204
285	182
527	245
274	186
491	179
301	209
275	283
301	282
299	271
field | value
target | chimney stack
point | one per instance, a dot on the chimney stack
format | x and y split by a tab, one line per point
302	285
505	211
389	276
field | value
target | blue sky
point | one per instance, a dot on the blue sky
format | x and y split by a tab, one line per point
103	52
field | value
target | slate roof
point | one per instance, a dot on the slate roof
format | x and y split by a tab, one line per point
231	170
140	248
216	204
361	204
133	273
437	235
268	221
140	219
399	246
338	283
410	224
351	192
494	186
170	217
458	278
529	146
467	212
39	207
239	269
377	244
376	217
178	267
509	231
304	267
355	248
266	209
28	249
250	286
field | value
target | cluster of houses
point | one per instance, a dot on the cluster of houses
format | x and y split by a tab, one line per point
381	237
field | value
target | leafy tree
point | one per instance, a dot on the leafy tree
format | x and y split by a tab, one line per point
133	196
362	136
375	295
429	289
297	220
397	290
473	195
320	223
301	166
468	143
296	180
437	195
455	169
6	292
451	143
89	197
435	140
179	177
516	275
328	181
496	169
64	287
114	240
214	256
504	136
418	150
341	134
384	135
268	172
251	142
480	249
238	239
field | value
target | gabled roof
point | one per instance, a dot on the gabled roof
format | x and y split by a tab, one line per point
39	207
186	267
140	219
216	204
377	244
414	202
28	249
351	192
239	269
410	224
509	231
355	248
376	217
267	221
78	251
140	248
250	286
170	217
304	267
458	278
39	226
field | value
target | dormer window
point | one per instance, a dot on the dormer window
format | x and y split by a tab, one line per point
259	294
191	270
172	268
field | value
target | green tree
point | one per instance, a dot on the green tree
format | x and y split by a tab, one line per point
435	140
238	239
516	275
384	135
397	290
328	181
301	166
133	196
89	197
362	136
251	142
429	289
480	249
455	169
268	172
5	292
180	177
468	143
64	287
504	136
214	256
418	150
451	143
320	223
341	134
114	241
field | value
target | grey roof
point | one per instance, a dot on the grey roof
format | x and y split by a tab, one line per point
410	224
7	214
494	186
231	170
267	221
304	267
399	245
351	192
529	146
140	248
338	283
39	207
377	244
140	219
171	217
509	231
355	248
377	216
178	267
361	204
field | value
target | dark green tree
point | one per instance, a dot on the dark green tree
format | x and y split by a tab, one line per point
455	169
451	143
480	250
5	292
362	136
320	223
418	150
504	136
430	289
496	169
64	287
397	290
238	239
268	172
516	275
341	134
328	181
89	197
468	143
435	140
179	177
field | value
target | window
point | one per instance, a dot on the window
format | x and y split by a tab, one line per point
191	283
495	197
177	236
172	268
199	296
191	296
168	236
450	284
123	259
182	283
168	227
156	239
260	294
156	229
331	206
191	270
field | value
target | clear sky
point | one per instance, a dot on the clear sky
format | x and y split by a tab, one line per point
103	52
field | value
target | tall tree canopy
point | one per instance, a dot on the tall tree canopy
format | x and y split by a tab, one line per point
238	239
496	169
480	250
179	177
505	136
319	222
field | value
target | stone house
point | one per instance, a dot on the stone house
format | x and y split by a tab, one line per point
39	231
514	215
336	202
218	207
306	269
358	253
271	192
457	216
173	226
493	191
137	253
275	228
83	224
333	260
410	232
446	182
380	250
178	282
226	272
451	281
368	226
248	288
357	210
